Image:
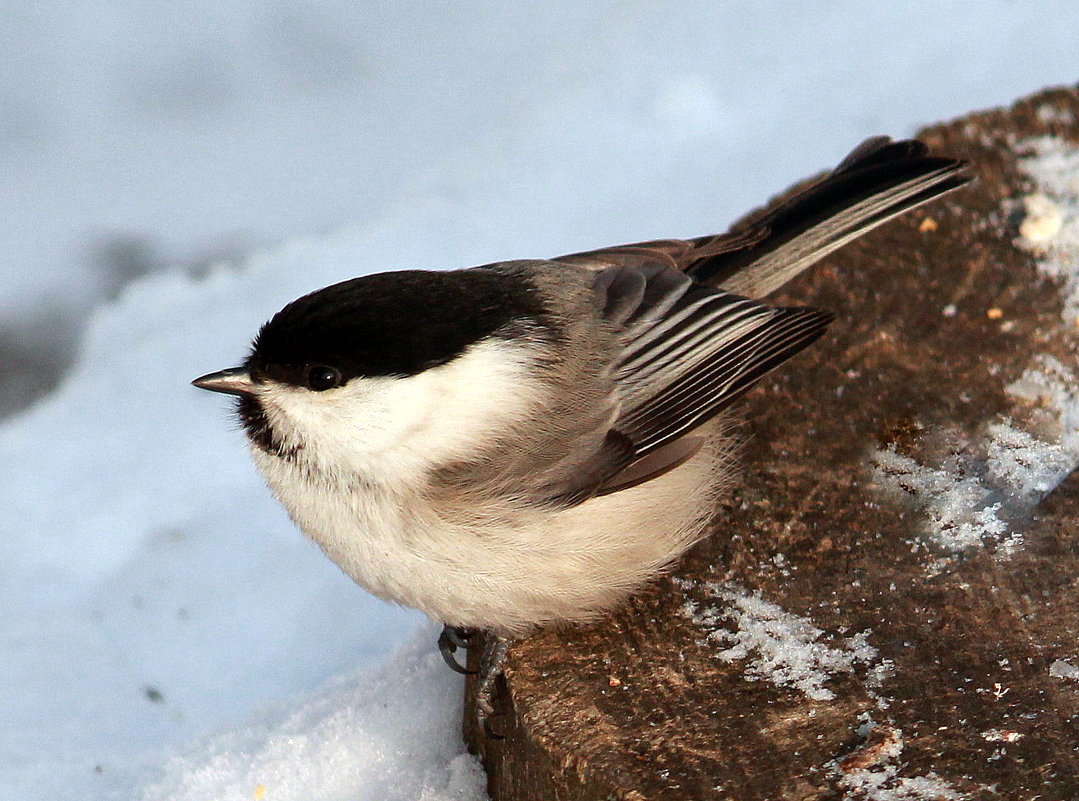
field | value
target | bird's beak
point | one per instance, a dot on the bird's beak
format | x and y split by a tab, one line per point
234	381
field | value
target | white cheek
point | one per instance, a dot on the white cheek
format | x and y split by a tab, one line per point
400	426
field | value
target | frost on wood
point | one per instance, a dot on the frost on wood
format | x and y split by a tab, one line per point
975	500
1050	224
782	648
1064	670
1026	464
872	772
959	508
1052	388
884	784
968	504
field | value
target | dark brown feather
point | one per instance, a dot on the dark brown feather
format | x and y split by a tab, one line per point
877	181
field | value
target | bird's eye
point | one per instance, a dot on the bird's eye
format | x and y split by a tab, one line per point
321	377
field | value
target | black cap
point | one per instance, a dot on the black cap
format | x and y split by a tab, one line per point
397	323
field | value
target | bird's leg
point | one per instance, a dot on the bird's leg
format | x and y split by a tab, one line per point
452	638
493	658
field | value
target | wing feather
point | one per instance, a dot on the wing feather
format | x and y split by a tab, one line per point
725	375
689	349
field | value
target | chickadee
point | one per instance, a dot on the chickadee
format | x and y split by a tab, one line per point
529	442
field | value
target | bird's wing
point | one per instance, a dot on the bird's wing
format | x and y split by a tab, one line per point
877	181
687	351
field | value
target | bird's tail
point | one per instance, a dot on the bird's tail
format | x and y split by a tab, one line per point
879	180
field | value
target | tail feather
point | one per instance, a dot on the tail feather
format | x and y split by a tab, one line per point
880	179
877	182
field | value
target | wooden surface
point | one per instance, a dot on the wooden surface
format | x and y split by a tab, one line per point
945	690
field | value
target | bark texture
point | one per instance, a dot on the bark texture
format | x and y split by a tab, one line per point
936	657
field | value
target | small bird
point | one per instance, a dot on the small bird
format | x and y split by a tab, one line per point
529	442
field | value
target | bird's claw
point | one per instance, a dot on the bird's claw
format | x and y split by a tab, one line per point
452	638
492	660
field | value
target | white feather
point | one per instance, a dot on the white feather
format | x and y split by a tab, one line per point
394	429
357	487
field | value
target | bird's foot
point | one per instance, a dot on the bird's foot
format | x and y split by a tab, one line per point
452	638
492	660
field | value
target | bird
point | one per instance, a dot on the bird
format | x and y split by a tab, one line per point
528	443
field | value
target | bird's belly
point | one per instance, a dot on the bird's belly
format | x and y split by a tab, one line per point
511	571
365	531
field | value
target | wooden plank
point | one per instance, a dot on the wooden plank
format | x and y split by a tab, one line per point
930	675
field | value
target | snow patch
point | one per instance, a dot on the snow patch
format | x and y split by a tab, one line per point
1051	114
966	504
959	508
886	785
1002	736
778	646
372	735
1064	670
1050	227
969	505
1042	220
1029	466
872	772
1051	387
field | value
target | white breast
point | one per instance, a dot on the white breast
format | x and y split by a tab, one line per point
356	489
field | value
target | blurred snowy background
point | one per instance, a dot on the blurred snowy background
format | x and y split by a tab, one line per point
171	173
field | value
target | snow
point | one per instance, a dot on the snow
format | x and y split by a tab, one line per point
776	646
968	505
368	735
1041	220
172	173
1002	736
1063	670
788	650
885	785
1050	225
1028	465
872	772
958	507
